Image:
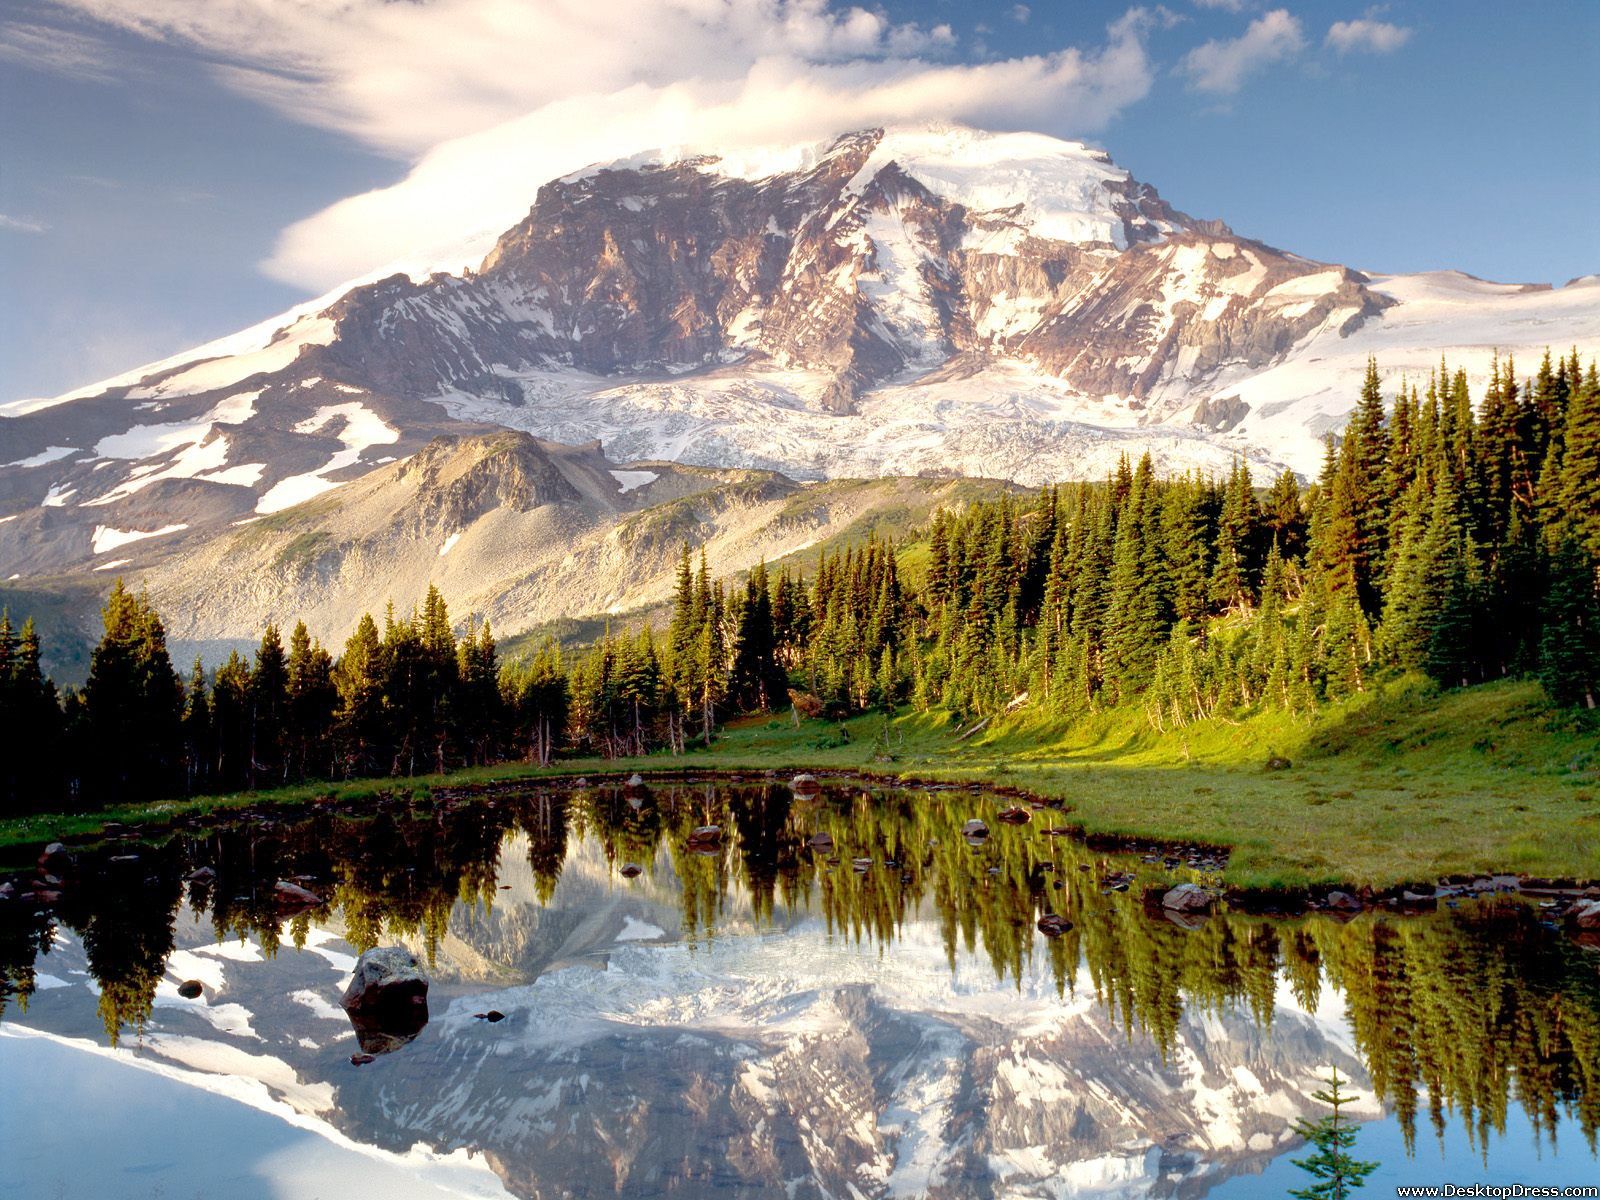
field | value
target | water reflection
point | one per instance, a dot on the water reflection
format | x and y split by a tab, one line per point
1470	1011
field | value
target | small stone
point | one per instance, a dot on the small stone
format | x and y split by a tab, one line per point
361	1060
190	989
1053	925
201	875
631	870
975	830
822	842
804	783
635	781
1278	763
493	1016
1015	816
1343	902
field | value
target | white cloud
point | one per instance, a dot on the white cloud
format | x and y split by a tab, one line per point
1020	13
405	77
1223	64
488	99
1225	5
21	224
1375	37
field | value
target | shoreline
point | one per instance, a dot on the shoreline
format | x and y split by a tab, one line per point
1408	790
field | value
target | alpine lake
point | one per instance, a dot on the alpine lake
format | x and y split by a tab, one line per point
843	990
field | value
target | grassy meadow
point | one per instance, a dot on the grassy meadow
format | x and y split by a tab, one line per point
1404	784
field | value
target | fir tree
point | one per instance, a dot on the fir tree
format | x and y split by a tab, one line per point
1336	1170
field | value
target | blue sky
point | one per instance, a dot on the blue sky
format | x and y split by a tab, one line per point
173	170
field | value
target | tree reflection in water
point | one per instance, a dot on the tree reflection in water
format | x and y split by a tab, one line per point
1464	1011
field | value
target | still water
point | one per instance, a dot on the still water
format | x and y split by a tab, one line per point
836	995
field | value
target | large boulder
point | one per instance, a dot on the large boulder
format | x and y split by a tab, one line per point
387	1000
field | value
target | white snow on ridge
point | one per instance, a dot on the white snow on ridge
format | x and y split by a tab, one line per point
105	538
49	454
362	428
1441	314
1060	185
628	481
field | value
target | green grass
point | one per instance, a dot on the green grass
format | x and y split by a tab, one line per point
1402	785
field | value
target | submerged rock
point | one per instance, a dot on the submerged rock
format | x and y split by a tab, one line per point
705	838
1015	816
1053	925
631	870
387	1000
292	898
974	830
1186	897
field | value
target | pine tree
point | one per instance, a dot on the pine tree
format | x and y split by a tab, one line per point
313	700
361	728
1569	650
133	705
269	711
1337	1171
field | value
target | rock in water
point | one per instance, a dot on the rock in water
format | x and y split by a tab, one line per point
1053	925
974	830
1186	897
1015	815
387	1000
705	839
631	870
291	898
1343	902
190	989
804	783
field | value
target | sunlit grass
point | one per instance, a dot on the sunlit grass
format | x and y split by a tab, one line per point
1402	785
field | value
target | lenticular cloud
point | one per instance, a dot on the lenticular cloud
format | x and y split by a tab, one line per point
485	101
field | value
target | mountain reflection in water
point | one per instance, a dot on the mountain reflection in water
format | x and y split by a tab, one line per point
873	1009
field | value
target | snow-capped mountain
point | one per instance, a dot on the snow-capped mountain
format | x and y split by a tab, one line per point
924	300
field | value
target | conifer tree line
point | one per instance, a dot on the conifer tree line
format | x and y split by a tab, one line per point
1455	538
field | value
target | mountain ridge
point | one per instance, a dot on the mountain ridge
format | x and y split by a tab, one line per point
920	301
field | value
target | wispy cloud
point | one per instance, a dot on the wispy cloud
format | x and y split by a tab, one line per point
59	51
1020	13
1223	64
21	224
1225	5
1366	34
